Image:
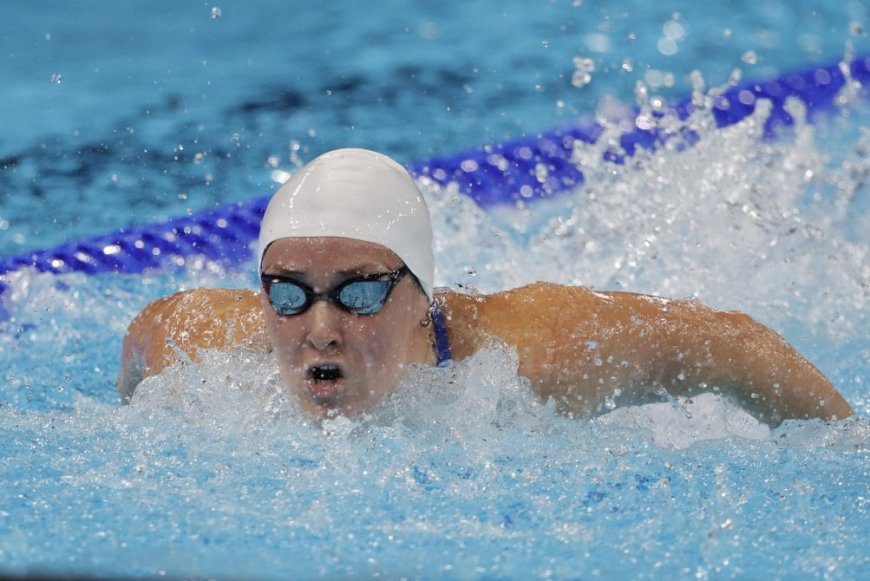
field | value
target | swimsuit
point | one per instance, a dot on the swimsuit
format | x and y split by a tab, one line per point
442	347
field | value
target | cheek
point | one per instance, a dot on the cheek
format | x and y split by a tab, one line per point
284	339
390	339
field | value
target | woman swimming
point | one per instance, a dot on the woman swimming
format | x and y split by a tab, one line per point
347	304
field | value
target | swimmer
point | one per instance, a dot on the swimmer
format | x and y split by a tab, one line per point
347	305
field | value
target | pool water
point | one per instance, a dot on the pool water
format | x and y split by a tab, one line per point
128	115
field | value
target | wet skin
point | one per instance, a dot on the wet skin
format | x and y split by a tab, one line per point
577	346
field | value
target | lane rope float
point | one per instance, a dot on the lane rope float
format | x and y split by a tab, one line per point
492	175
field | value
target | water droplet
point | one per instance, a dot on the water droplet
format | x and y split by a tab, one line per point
584	67
749	57
580	79
582	63
674	30
56	78
216	12
667	46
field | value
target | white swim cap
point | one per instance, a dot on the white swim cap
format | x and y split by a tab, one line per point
358	194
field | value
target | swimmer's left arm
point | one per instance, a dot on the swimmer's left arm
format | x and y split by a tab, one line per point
585	348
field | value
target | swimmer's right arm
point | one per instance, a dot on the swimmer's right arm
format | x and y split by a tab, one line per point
183	324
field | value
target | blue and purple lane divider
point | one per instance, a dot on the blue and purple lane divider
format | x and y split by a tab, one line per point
495	175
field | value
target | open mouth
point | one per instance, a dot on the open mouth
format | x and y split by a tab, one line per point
325	372
324	382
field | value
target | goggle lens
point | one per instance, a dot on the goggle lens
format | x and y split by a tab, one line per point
287	298
365	295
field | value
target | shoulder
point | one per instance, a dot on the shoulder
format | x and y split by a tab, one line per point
186	322
200	304
474	318
531	298
198	318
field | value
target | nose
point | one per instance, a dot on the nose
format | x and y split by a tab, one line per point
326	326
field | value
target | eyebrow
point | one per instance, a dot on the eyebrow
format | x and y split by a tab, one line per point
360	270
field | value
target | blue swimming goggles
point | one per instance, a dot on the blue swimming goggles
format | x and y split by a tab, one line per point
362	295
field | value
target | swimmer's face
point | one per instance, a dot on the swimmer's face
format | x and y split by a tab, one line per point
333	361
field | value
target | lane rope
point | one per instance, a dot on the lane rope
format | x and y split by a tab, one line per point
491	175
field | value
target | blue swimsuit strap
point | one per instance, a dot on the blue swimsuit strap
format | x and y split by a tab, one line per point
442	347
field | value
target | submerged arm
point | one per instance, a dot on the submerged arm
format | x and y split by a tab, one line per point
182	324
583	347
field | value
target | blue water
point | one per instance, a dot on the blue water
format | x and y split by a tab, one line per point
129	114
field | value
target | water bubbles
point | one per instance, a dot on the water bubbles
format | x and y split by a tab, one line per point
644	122
216	12
468	165
735	77
673	32
56	78
583	69
580	79
641	93
749	57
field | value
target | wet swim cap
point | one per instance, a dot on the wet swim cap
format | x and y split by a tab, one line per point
358	194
